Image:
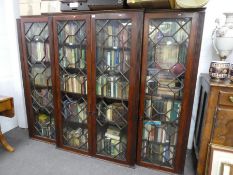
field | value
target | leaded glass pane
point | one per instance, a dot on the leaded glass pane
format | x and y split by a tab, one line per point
73	82
39	64
113	43
166	66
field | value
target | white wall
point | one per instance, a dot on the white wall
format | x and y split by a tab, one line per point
10	70
215	8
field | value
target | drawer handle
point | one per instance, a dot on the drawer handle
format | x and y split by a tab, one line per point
231	99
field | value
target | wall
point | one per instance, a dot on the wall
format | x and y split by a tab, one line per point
215	8
10	70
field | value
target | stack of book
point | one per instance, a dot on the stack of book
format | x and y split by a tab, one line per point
41	76
163	84
39	51
76	137
156	108
43	97
113	144
117	113
114	113
115	35
112	86
113	60
45	125
72	57
75	84
74	111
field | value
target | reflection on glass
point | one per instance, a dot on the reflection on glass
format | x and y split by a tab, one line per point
166	66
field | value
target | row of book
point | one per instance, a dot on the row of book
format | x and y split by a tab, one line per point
159	133
43	97
41	76
74	111
115	113
72	57
160	154
45	126
163	86
112	143
39	51
74	83
76	137
111	35
162	110
112	86
72	32
113	60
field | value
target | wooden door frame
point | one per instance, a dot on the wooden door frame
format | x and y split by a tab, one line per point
59	142
26	79
189	84
133	100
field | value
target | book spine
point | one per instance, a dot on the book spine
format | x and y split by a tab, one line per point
83	57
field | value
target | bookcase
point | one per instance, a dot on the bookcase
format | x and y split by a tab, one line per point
116	85
168	76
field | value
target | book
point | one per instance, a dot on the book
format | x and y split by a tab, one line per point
116	113
83	59
110	36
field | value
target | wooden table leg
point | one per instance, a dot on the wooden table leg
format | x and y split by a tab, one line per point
5	144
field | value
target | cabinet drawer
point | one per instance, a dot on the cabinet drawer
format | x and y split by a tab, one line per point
226	98
223	127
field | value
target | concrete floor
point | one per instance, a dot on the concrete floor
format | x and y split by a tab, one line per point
37	158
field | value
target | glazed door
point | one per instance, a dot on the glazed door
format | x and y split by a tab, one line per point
72	60
168	78
38	68
116	54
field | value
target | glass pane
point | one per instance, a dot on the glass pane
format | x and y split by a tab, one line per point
166	66
113	42
73	78
38	51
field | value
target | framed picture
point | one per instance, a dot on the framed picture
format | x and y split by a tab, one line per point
220	160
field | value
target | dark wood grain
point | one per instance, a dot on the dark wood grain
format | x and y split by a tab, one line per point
217	120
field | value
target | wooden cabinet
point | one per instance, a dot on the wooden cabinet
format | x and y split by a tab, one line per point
97	79
169	66
214	120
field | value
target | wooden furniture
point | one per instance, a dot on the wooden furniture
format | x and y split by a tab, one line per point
36	50
90	68
169	66
7	110
214	119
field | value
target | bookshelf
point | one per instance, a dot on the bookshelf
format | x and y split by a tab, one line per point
116	85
